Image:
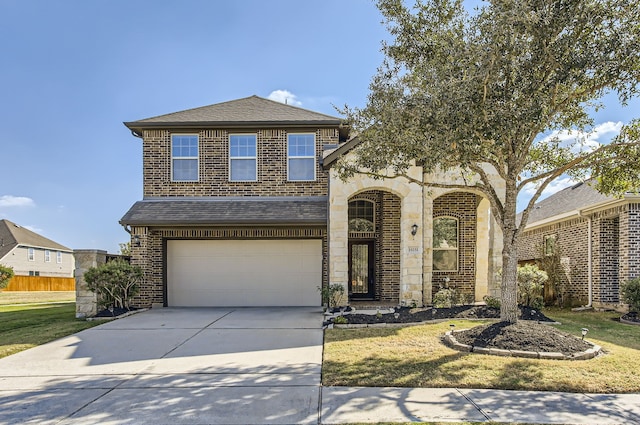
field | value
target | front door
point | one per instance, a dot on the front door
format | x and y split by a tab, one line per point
362	269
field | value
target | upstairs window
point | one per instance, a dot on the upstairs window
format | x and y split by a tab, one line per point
301	155
243	161
31	254
184	158
59	257
47	256
445	244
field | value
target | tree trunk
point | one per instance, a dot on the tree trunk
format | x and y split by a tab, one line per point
509	286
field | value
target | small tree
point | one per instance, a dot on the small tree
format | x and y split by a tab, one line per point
331	294
489	93
6	273
115	282
530	285
631	294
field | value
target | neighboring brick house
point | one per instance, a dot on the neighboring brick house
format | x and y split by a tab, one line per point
241	208
597	238
30	254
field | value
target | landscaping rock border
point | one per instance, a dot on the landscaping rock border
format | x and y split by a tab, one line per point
450	340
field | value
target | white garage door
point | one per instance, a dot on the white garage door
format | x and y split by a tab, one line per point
244	272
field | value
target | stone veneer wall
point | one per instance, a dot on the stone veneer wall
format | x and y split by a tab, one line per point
86	301
463	206
214	165
151	256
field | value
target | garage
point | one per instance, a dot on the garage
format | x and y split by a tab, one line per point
251	273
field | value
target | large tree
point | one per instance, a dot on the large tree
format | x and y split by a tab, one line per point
484	92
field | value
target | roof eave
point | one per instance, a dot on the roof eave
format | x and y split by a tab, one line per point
171	125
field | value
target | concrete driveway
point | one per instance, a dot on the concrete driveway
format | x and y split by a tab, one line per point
173	366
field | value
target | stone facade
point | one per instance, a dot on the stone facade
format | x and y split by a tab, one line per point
417	204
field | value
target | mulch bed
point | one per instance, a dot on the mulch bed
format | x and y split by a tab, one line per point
632	317
414	315
115	312
523	335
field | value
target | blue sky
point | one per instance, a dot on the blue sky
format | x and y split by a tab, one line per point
72	71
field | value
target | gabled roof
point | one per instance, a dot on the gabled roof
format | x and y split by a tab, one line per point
247	112
12	235
260	211
343	149
571	202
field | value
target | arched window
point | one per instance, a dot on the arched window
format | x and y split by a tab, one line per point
445	244
361	216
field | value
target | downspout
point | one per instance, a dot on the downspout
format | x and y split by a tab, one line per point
589	257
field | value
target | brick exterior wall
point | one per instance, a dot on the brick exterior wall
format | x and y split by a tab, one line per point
387	243
214	181
463	206
615	238
151	254
572	243
214	165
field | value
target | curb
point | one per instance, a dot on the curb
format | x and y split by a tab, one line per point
452	342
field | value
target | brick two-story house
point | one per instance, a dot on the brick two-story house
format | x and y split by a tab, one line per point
242	208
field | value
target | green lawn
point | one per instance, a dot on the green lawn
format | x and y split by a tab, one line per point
415	357
22	297
28	325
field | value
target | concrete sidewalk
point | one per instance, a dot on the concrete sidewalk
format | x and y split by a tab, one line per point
244	366
370	405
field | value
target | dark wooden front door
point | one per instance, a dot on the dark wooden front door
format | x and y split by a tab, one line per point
362	269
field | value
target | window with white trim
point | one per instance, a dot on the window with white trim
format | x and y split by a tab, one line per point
243	159
31	254
301	157
445	244
184	158
47	256
59	257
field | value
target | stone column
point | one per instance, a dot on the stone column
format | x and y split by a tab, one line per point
86	301
482	249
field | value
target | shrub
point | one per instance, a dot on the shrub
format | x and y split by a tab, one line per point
340	320
492	302
6	273
331	294
445	298
530	286
630	292
115	282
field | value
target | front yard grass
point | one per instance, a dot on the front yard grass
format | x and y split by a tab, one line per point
28	325
414	356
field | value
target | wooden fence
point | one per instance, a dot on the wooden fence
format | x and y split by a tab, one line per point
41	283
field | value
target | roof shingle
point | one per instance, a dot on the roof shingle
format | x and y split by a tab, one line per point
251	110
228	211
12	235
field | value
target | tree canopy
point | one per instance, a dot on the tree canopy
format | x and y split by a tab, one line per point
486	89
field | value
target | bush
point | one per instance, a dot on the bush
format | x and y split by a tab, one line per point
530	286
445	298
492	302
630	292
331	294
6	273
115	282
